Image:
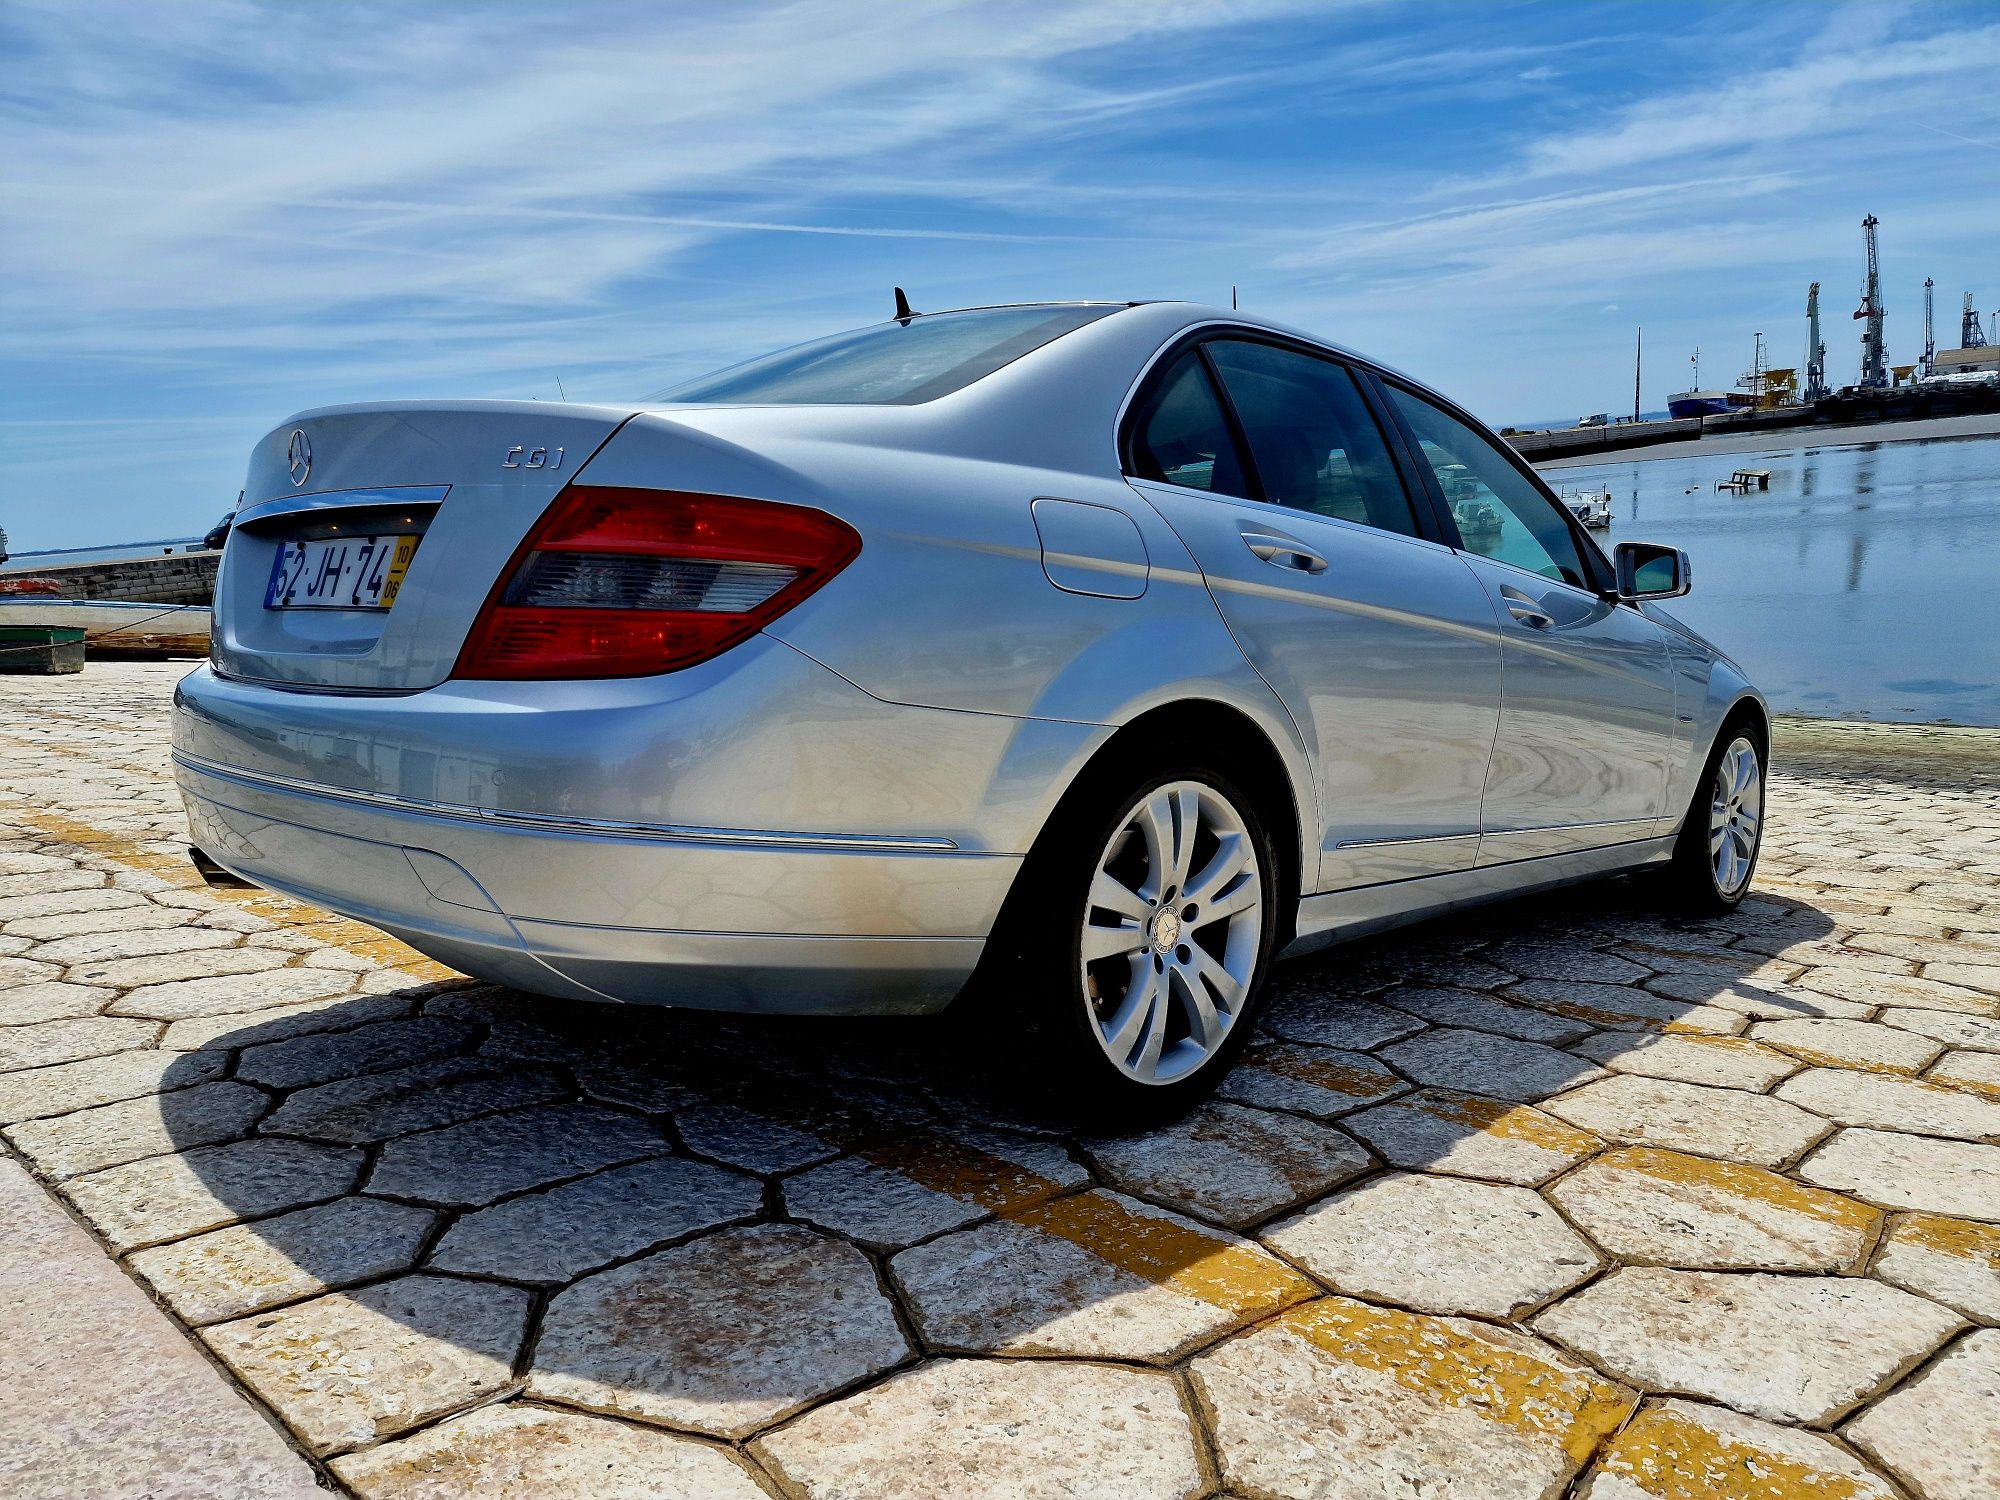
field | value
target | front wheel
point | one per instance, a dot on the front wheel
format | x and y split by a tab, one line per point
1716	853
1142	952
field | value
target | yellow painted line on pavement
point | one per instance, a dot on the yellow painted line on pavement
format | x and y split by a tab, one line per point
1665	1456
1496	1117
1233	1276
1967	1241
1301	1066
1768	1188
1468	1366
293	916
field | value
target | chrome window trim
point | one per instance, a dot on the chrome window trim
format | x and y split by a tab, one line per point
548	823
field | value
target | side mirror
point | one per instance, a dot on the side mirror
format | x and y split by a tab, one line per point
1649	572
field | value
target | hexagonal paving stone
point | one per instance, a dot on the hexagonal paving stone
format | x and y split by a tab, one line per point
1893	1102
912	1187
425	1096
1849	1044
520	1452
112	1134
38	1093
47	1043
1438	1244
1671	1209
1318	1081
1624	1008
281	1022
1022	1430
1975	1072
1233	1165
1334	1020
1953	1261
1940	1434
248	1267
743	1138
1786	1348
1545	958
352	1367
222	995
1949	1027
1955	1178
1480	1012
1091	1274
50	1001
1676	1450
1730	1062
558	1234
1467	1135
321	1058
1337	1400
485	1159
170	1197
1757	1002
1892	989
723	1335
1728	1123
1481	1063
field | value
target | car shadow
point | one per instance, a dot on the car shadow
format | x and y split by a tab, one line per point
712	1222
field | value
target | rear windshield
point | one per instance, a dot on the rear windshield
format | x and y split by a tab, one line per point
890	364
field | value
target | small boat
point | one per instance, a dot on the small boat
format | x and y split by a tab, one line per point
116	626
1478	520
1592	507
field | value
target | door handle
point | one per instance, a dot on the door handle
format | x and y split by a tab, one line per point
1527	614
1283	552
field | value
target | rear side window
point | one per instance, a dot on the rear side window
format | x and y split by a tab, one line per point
890	364
1180	436
1311	436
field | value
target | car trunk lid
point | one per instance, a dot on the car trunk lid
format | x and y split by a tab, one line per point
467	479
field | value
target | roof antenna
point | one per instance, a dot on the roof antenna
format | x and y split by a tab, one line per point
903	310
1232	299
559	390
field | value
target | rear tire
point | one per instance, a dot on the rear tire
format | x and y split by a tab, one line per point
1715	856
1138	940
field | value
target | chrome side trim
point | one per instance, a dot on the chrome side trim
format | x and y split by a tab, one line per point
1420	838
405	494
1340	915
548	823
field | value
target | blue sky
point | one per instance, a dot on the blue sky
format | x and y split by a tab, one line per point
215	214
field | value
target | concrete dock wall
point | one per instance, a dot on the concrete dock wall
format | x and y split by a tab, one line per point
184	578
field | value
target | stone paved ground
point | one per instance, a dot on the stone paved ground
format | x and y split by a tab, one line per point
1558	1199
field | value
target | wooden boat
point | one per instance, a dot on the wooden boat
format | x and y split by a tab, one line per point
116	626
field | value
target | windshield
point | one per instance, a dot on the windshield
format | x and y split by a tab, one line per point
891	364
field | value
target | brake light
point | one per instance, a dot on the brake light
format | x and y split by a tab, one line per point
629	582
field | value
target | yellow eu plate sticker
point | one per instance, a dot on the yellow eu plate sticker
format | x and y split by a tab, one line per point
406	548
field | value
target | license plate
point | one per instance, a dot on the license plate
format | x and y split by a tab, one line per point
353	572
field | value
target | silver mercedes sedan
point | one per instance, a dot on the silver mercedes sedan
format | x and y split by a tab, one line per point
1091	654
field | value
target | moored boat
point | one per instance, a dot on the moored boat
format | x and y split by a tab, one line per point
116	625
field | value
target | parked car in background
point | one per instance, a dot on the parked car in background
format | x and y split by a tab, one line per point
1098	653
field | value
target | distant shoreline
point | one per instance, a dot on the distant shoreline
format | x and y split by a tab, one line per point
1784	439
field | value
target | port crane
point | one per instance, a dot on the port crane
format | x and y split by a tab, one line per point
1970	334
1874	355
1815	349
1928	365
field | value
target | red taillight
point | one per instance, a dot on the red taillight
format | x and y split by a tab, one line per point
626	583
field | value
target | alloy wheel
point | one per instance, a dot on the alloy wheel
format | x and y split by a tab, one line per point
1172	930
1735	815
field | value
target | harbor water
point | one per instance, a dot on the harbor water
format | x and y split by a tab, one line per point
1861	584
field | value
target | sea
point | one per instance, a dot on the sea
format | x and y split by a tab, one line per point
1861	584
27	562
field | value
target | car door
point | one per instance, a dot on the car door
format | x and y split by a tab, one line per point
1587	719
1270	465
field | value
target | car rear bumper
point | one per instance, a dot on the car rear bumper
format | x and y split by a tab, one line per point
746	921
609	873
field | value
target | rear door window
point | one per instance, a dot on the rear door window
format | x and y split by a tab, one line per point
1180	435
1315	445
